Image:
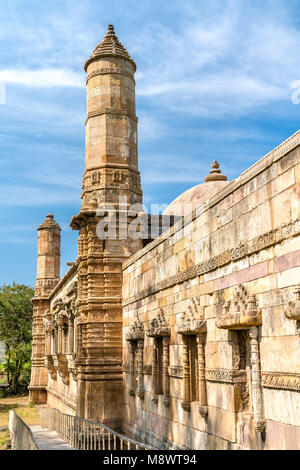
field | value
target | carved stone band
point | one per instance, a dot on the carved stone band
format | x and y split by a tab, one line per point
226	376
281	381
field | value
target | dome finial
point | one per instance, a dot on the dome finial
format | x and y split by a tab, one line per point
215	173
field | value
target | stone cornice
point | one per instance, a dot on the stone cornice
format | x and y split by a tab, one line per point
265	162
109	71
119	112
113	166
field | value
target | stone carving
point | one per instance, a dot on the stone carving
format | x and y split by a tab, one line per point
72	368
108	71
257	395
192	323
226	376
176	372
281	381
96	177
259	243
61	364
117	177
49	363
292	310
192	320
147	369
135	337
136	332
240	312
159	326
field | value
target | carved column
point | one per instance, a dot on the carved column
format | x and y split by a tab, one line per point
186	373
201	375
166	363
131	367
55	340
154	372
52	341
60	325
70	333
257	397
140	360
47	337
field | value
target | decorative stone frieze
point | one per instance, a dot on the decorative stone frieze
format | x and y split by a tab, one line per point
226	376
266	240
282	381
240	312
176	372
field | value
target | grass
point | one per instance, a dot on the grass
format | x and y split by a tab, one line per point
27	412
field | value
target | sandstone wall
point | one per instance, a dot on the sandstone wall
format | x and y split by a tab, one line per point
245	240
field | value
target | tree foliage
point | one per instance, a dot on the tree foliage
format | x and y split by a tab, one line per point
16	333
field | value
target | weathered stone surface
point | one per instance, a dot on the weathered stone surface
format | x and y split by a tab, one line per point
191	341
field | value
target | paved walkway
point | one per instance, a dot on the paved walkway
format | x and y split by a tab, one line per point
49	440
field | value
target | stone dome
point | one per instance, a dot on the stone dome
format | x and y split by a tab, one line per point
195	196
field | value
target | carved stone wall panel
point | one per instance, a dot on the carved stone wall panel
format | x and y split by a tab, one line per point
240	312
264	241
226	376
282	381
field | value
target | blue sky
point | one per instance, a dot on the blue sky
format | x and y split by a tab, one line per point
214	79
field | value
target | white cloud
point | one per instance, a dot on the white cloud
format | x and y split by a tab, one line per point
44	78
229	60
23	196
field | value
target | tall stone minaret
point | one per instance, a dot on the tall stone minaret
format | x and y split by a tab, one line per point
111	172
111	164
48	274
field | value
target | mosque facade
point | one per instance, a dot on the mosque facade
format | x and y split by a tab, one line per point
179	330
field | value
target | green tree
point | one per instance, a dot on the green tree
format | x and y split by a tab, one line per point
16	333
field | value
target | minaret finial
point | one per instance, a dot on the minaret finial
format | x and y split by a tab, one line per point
110	31
215	173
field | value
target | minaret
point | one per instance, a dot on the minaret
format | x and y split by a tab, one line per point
48	274
111	172
111	164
